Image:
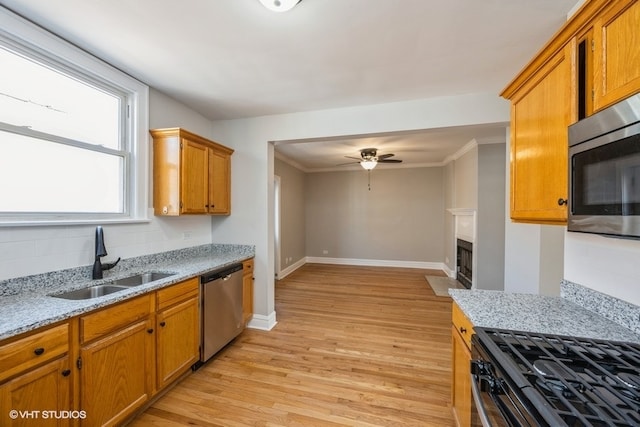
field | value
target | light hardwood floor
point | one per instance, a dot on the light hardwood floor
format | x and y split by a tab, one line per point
354	346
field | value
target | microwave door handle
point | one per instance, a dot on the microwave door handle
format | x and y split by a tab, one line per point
482	412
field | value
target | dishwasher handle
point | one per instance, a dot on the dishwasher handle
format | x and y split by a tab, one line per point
220	274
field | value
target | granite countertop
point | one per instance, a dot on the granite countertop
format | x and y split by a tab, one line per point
26	302
537	313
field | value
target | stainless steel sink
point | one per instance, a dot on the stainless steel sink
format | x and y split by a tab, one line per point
91	292
140	279
113	286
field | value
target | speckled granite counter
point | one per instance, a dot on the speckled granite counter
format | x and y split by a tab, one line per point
537	313
26	302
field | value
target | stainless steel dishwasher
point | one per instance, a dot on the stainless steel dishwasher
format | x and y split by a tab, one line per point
221	314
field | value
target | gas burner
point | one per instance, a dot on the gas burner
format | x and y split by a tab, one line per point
552	375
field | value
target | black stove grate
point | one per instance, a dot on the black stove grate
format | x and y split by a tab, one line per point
584	382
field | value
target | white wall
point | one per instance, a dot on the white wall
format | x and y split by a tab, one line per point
466	180
399	219
252	174
32	250
292	214
604	264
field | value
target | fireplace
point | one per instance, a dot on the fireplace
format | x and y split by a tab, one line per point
465	262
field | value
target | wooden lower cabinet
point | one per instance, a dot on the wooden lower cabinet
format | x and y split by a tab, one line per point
115	372
461	331
247	289
461	387
177	341
47	388
103	365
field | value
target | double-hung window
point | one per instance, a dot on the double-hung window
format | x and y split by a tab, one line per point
73	133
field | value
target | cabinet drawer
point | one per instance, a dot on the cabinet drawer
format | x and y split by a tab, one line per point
462	324
32	350
178	292
114	317
247	267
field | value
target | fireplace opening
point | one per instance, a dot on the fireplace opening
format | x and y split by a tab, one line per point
465	263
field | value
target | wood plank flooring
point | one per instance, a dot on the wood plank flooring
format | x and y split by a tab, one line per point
354	346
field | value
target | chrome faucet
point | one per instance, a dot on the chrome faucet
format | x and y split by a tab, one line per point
101	251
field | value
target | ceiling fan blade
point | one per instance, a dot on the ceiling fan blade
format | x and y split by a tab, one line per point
348	163
354	158
385	156
389	161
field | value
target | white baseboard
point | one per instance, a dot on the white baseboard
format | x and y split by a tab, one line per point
293	267
448	271
377	263
264	323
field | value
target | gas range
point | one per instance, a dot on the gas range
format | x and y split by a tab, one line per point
531	379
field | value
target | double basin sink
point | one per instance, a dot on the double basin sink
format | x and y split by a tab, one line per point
113	286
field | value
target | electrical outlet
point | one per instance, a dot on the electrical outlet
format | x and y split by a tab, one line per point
186	235
325	252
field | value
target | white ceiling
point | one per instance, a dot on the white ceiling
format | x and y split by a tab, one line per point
233	58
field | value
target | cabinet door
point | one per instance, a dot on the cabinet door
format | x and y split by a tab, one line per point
43	389
178	340
219	183
540	114
194	173
115	376
461	387
617	53
247	289
247	297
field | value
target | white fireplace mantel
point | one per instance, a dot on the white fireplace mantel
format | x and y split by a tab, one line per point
465	223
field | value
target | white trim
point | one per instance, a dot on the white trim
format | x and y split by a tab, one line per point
264	323
290	269
377	263
448	271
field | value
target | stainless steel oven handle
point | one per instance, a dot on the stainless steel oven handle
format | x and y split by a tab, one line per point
482	412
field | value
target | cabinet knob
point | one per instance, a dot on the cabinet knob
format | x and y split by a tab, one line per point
150	330
38	351
463	330
66	372
163	324
206	206
562	202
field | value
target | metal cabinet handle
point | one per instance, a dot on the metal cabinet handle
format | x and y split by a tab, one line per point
163	324
66	372
38	351
150	330
562	202
463	330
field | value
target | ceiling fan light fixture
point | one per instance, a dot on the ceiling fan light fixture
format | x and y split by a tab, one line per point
279	5
369	164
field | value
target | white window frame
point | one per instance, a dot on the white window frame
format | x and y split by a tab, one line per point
21	35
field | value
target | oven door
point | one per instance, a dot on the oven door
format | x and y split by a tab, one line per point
497	401
484	409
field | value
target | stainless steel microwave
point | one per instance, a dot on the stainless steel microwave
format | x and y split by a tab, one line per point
604	171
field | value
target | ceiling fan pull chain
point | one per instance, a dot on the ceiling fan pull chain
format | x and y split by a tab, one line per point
369	179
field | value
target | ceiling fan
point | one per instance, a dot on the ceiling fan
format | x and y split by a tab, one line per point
369	158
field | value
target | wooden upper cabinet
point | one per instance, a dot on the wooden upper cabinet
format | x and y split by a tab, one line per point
592	62
616	39
541	111
220	191
194	182
191	174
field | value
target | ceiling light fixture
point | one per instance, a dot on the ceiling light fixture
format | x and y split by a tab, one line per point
369	164
279	5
